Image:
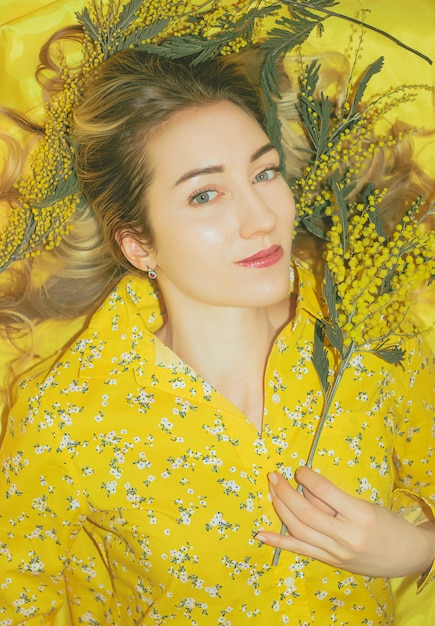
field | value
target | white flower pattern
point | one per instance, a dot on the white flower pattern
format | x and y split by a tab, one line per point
132	483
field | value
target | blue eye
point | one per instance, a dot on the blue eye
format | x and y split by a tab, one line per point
268	174
203	197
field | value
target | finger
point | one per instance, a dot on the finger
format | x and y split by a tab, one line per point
319	504
292	544
311	532
304	521
323	489
305	506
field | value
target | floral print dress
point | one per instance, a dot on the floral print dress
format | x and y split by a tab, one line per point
132	490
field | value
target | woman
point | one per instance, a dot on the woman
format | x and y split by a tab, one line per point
152	439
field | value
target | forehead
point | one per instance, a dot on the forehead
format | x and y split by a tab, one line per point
205	135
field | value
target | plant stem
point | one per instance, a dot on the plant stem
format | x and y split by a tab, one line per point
355	20
332	389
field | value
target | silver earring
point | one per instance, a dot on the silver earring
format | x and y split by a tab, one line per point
152	274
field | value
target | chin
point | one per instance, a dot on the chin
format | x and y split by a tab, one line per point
272	296
277	288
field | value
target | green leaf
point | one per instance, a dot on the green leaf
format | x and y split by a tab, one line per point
374	216
269	78
127	15
273	122
304	17
390	355
290	32
335	337
187	46
320	5
372	69
305	105
320	358
316	113
150	32
332	330
312	226
386	282
201	48
325	110
339	194
330	292
89	27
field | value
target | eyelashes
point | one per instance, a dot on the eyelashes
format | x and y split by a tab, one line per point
203	196
268	174
207	194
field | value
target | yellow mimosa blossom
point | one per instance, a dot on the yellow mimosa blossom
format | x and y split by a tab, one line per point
375	277
48	194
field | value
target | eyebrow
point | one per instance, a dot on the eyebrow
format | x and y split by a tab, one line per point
217	169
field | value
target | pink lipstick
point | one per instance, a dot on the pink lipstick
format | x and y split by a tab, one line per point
263	258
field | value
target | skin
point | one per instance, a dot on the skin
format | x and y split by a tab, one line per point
215	200
327	524
215	217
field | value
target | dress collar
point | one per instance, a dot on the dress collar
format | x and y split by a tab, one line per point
120	334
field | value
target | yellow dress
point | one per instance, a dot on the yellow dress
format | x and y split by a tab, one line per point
132	490
26	24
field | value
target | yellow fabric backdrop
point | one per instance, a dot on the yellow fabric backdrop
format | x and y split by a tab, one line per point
26	24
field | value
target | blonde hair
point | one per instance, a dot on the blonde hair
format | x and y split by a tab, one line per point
131	96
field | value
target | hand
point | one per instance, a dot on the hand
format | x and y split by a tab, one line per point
327	524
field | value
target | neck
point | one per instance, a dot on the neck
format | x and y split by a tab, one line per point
227	346
216	343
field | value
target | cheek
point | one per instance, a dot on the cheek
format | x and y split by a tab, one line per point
190	242
280	199
209	234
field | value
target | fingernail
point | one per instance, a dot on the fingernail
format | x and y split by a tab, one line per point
259	537
273	478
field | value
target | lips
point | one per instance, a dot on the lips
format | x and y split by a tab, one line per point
263	258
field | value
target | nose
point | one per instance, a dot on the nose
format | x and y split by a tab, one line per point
256	214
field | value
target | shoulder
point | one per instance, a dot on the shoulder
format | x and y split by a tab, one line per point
125	320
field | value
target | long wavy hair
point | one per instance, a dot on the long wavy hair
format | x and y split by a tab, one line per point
130	97
133	95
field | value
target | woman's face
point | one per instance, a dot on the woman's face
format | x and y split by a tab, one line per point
221	213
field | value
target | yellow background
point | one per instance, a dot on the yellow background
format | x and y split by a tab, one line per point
26	24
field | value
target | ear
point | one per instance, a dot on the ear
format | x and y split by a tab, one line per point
135	252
